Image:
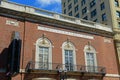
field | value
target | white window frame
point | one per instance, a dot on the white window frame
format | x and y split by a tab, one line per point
37	51
90	49
63	54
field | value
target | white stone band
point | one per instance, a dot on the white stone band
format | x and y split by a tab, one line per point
113	75
65	32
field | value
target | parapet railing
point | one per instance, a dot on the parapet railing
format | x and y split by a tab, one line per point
61	17
68	67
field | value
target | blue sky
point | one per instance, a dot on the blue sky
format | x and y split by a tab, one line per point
50	5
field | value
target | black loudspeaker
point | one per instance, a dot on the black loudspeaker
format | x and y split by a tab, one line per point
14	51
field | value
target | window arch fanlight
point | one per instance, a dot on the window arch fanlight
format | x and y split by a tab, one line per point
43	56
68	55
90	58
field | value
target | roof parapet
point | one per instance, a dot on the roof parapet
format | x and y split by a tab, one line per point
61	17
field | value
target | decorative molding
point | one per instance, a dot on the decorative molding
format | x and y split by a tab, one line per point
106	40
11	22
65	32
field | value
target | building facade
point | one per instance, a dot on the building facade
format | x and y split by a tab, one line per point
40	45
102	11
94	10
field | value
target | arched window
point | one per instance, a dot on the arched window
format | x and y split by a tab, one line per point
90	58
43	56
69	56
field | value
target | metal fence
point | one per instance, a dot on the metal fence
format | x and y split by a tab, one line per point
65	67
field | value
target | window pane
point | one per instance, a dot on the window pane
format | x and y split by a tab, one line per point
84	10
90	62
69	59
118	24
70	6
75	1
83	2
76	8
40	57
43	57
116	3
104	17
102	5
93	13
118	14
92	3
70	14
69	0
86	18
95	20
77	15
64	4
65	11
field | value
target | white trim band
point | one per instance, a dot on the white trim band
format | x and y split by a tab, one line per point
112	75
65	32
22	70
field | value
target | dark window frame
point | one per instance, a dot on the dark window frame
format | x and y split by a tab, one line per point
104	17
75	1
76	8
86	18
93	13
70	13
102	6
77	15
84	10
83	2
116	3
92	3
69	6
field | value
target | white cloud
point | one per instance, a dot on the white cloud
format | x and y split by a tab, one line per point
44	3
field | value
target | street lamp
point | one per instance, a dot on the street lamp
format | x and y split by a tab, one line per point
62	73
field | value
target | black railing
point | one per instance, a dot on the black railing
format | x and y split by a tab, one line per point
93	69
70	68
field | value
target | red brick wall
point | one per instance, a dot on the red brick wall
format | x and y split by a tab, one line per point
29	34
110	78
105	51
5	36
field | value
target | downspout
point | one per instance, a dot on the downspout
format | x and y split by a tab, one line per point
23	42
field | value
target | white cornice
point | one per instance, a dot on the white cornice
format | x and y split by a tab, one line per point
50	15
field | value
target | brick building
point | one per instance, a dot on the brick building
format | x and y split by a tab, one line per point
40	45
